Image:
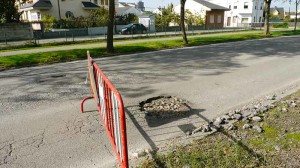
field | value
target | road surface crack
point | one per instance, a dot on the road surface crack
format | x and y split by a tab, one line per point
42	139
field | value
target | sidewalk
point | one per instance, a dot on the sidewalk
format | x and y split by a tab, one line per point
103	44
116	36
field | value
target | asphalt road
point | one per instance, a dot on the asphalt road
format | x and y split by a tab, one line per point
41	125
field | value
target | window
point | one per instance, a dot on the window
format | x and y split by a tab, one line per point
244	20
102	2
255	7
95	2
259	19
33	16
234	7
38	15
229	6
219	19
254	19
106	2
245	5
69	14
211	19
261	6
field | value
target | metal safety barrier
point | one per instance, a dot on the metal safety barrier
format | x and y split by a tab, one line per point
111	109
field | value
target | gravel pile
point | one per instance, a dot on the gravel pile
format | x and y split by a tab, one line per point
251	115
165	106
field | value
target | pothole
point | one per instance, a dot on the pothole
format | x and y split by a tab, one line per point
165	106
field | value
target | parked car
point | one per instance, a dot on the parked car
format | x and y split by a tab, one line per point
133	28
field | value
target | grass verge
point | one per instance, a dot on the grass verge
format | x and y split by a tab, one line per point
32	59
277	146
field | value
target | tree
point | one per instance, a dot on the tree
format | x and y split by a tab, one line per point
267	16
8	11
126	19
99	17
110	26
166	17
296	18
182	18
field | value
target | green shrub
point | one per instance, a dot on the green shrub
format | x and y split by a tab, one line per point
49	22
281	25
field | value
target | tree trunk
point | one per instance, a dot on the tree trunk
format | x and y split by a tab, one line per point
296	19
110	26
267	17
182	25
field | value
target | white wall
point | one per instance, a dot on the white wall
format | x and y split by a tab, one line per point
68	5
73	6
240	14
193	7
149	20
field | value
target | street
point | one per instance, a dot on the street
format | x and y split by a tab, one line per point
41	124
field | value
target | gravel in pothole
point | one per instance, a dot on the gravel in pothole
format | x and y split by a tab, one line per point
165	106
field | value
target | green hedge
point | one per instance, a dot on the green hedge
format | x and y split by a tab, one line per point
281	25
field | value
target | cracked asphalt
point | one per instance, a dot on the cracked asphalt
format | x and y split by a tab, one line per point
41	124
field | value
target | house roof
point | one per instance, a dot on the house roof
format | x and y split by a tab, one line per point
89	5
122	10
211	5
279	10
41	4
128	9
123	3
127	4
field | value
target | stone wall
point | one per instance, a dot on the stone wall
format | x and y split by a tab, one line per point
16	31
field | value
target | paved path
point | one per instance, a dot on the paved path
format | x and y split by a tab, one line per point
41	125
116	36
103	44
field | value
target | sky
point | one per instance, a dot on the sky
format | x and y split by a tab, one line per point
153	4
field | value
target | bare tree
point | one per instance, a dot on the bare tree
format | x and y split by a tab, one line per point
182	25
267	16
110	26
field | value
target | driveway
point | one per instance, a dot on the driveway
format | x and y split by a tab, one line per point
41	125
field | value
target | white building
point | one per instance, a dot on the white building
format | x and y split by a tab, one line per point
60	9
158	11
213	13
194	7
148	21
242	12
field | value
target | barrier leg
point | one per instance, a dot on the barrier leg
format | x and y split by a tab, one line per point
82	102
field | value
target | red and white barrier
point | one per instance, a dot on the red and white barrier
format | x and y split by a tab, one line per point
111	109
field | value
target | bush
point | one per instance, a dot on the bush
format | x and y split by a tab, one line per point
281	25
49	22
